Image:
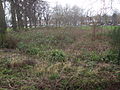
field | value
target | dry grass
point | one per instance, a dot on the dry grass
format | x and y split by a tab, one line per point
37	72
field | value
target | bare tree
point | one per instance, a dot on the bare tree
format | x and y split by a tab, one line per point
46	14
75	15
13	15
3	25
114	18
57	15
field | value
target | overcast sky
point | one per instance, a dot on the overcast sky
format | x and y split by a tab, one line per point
96	5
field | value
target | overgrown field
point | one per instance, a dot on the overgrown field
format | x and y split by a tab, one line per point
58	59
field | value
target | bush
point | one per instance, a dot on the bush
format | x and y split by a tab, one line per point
22	46
57	55
33	50
111	56
4	62
94	56
91	56
115	36
54	76
10	42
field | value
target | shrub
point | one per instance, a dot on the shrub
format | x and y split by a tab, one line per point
111	56
10	42
58	55
94	56
22	46
7	71
54	76
33	50
115	36
4	62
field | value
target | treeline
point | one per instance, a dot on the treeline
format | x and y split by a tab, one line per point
37	13
27	13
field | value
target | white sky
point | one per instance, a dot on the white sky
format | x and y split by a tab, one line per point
96	5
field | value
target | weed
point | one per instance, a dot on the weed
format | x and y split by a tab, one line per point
7	71
86	68
54	76
33	50
58	55
78	60
110	56
91	56
22	46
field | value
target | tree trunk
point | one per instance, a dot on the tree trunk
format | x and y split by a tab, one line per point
30	22
19	16
40	23
3	25
25	21
13	12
